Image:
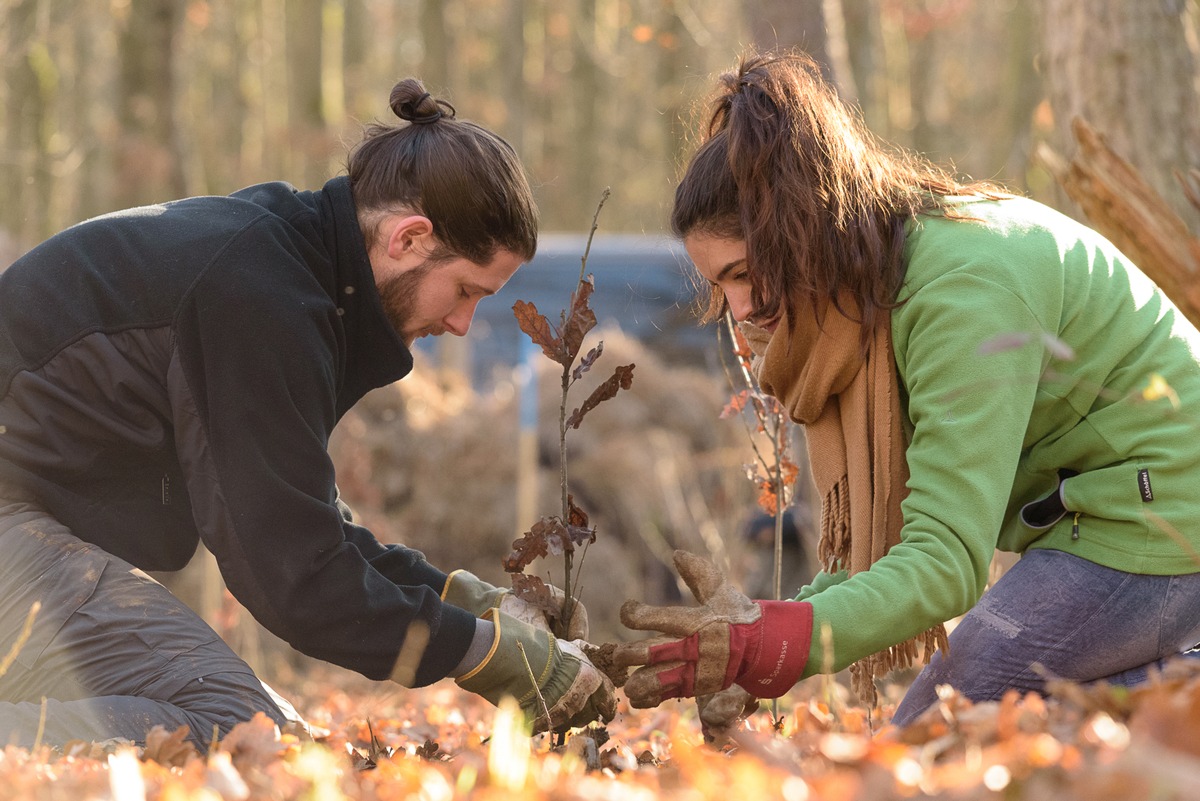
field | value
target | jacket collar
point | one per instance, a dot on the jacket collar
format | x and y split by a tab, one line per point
375	354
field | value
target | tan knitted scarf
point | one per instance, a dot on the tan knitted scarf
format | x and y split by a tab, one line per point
849	405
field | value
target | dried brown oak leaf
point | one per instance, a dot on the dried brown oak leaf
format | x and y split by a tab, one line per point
587	361
172	749
578	532
622	378
536	592
581	320
253	744
539	330
532	544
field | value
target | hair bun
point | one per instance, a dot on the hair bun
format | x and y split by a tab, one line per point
411	103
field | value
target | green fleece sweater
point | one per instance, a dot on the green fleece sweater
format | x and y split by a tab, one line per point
1026	343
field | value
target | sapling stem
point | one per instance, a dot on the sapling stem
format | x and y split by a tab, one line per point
772	423
568	605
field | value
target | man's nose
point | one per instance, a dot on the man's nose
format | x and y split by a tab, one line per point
458	322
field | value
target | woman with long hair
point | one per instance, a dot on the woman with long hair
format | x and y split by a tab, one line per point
974	371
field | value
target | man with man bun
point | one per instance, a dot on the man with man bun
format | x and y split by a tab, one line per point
171	374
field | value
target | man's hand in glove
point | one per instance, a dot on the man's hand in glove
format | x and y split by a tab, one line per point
573	691
760	645
467	591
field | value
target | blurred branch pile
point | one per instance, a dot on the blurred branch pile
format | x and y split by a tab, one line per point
1122	206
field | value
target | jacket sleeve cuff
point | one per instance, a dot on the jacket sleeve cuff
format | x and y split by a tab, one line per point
444	650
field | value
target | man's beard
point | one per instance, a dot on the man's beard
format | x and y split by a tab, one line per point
399	297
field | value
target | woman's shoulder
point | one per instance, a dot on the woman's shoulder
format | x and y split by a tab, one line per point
1012	242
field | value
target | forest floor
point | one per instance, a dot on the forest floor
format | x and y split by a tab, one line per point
376	742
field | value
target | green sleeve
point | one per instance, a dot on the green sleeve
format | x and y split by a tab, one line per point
821	582
970	395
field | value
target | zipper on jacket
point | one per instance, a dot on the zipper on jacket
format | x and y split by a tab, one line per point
1075	526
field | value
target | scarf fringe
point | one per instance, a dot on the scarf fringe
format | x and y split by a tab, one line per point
833	551
902	655
834	544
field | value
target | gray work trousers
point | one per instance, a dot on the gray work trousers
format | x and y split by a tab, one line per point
111	652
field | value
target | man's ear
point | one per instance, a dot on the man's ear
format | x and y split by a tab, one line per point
408	236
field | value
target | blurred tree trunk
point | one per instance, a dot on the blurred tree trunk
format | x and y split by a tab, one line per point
435	36
973	85
672	67
1020	92
87	184
216	107
585	183
1130	71
864	81
148	164
31	80
512	69
789	24
306	117
356	47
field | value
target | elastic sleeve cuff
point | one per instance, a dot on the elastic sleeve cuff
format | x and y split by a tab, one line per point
447	647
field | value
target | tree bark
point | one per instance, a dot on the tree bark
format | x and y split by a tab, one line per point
865	82
791	24
1130	71
512	66
435	36
148	165
31	79
586	87
306	117
356	46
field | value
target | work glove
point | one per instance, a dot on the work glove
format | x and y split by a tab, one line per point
722	712
467	591
572	690
761	646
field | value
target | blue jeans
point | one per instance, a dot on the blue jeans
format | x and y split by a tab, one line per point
1054	615
111	652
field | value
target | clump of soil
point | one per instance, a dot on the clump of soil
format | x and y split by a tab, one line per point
602	658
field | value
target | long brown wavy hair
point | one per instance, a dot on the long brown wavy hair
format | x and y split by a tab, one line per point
819	200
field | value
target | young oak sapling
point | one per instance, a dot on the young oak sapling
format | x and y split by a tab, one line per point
561	534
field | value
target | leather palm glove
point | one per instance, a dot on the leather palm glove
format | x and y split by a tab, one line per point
575	692
729	639
467	591
722	712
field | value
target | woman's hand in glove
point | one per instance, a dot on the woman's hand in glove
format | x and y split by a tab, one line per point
722	712
729	639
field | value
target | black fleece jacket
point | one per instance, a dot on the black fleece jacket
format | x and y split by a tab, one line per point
174	372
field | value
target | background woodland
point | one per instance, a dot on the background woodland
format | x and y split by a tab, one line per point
111	103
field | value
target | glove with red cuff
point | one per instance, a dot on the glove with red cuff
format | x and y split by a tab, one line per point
761	646
721	714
